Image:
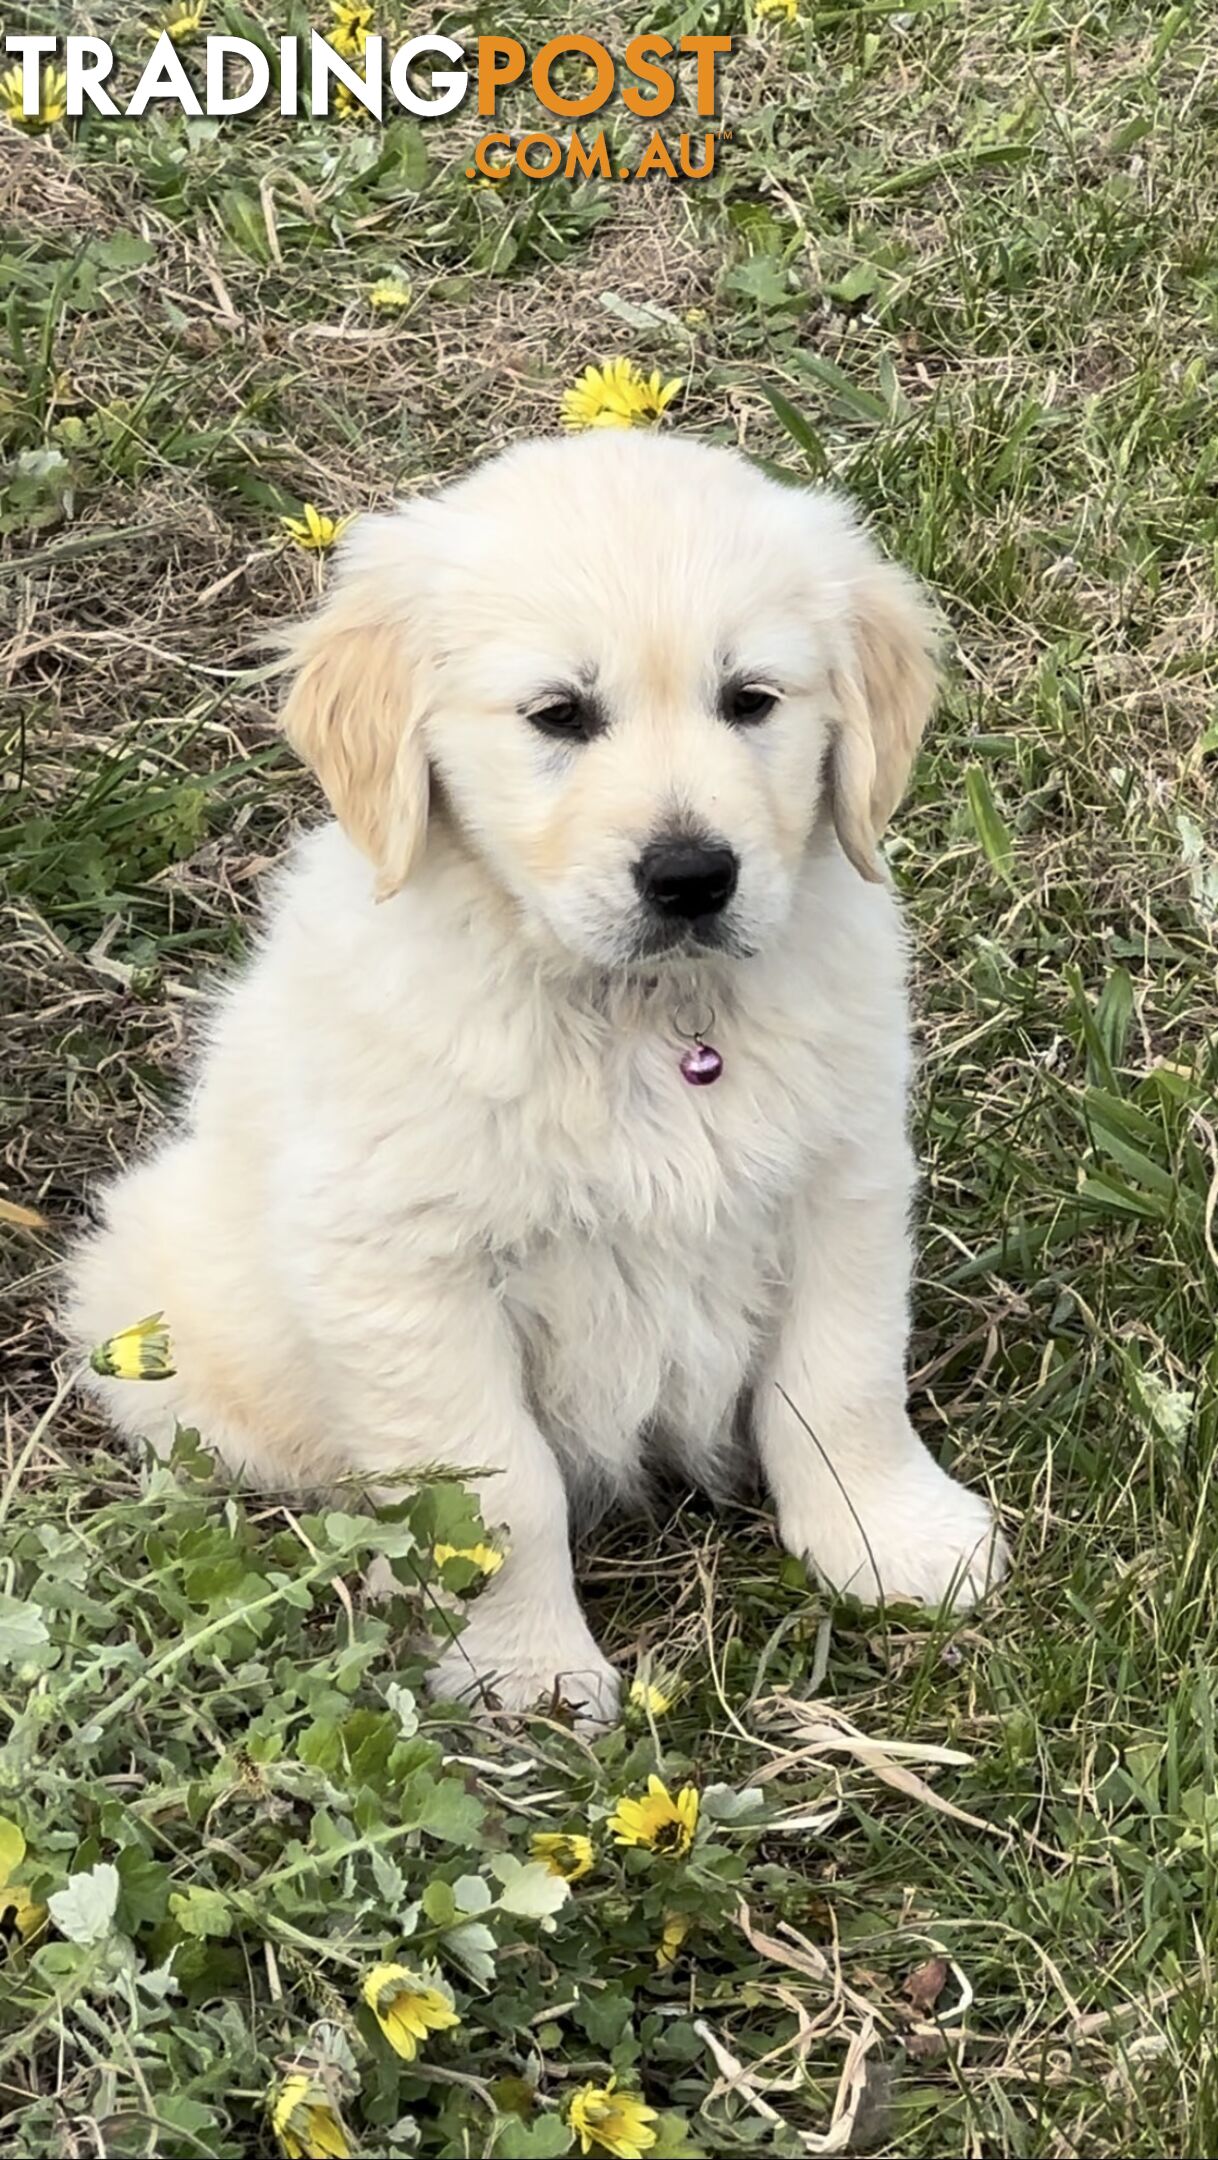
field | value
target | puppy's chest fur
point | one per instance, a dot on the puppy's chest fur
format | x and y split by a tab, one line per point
646	1283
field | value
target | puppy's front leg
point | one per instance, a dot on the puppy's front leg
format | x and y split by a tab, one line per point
857	1494
428	1373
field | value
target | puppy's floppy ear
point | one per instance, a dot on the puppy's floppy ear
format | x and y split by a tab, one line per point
355	707
886	687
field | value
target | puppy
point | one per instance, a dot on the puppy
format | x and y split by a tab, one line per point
560	1115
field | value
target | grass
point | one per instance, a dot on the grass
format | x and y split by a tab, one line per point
958	257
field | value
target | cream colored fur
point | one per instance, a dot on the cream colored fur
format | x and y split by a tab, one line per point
441	1193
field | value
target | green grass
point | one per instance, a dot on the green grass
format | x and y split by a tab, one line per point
958	258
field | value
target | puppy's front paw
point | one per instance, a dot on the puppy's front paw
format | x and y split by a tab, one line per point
917	1537
520	1659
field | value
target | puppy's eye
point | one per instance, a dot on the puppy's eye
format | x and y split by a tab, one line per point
567	715
744	704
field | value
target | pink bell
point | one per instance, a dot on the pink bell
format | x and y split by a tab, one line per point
701	1064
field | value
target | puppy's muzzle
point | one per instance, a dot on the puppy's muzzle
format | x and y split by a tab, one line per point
686	881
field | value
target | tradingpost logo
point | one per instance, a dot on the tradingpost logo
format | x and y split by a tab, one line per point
573	79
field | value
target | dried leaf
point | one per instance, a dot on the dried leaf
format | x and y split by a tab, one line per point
733	2076
830	1732
924	1985
859	2085
807	1960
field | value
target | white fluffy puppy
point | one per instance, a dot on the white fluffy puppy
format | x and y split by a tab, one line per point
611	729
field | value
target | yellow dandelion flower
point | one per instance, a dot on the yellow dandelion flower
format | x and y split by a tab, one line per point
52	98
646	1696
663	1824
617	395
142	1352
608	2121
483	1556
656	395
21	1917
12	97
352	18
408	2006
602	397
778	11
390	293
348	106
349	37
673	1933
566	1853
305	2121
315	532
179	24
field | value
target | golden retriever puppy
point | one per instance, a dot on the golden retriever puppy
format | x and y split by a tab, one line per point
560	1118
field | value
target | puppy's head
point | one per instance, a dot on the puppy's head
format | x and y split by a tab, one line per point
639	676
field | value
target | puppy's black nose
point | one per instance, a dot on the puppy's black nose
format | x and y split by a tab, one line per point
686	878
